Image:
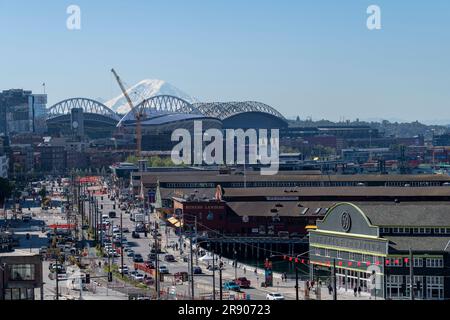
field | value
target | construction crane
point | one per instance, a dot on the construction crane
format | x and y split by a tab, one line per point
137	115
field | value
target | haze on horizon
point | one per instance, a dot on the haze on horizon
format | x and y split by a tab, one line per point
307	58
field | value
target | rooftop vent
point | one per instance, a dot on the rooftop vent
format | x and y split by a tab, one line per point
304	211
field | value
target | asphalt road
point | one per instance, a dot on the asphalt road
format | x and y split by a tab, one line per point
203	283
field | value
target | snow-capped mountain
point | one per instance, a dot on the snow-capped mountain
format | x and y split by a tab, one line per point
144	90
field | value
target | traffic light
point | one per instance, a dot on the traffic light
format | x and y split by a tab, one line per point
88	278
110	279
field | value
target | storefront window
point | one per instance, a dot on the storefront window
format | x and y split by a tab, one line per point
22	272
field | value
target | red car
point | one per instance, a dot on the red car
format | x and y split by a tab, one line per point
243	282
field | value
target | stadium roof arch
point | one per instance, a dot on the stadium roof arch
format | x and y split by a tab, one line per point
158	109
224	110
89	106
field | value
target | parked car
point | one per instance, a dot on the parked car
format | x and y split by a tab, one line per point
169	258
138	277
138	258
197	270
151	256
243	282
43	250
130	253
274	296
232	286
211	268
163	269
61	270
125	230
149	264
112	214
125	270
135	235
140	228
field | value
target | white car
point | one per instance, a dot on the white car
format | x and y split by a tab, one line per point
138	277
125	270
274	296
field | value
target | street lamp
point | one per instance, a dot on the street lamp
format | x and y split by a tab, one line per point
214	272
3	268
297	296
235	264
191	249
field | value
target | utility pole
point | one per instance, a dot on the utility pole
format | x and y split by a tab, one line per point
214	276
155	236
192	268
220	282
57	277
235	264
296	284
334	280
121	243
411	274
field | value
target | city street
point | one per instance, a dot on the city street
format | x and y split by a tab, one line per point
204	282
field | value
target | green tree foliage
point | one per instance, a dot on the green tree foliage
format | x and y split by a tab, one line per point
154	161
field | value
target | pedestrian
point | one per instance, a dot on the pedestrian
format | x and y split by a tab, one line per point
330	289
256	271
245	270
359	291
355	291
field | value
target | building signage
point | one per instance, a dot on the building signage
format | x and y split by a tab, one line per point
368	245
346	221
282	198
204	207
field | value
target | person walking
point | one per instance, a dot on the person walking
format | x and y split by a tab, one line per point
359	291
330	289
355	291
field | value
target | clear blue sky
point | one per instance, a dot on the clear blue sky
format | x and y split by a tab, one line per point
308	58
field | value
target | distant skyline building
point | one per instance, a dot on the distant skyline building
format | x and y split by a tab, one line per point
21	111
